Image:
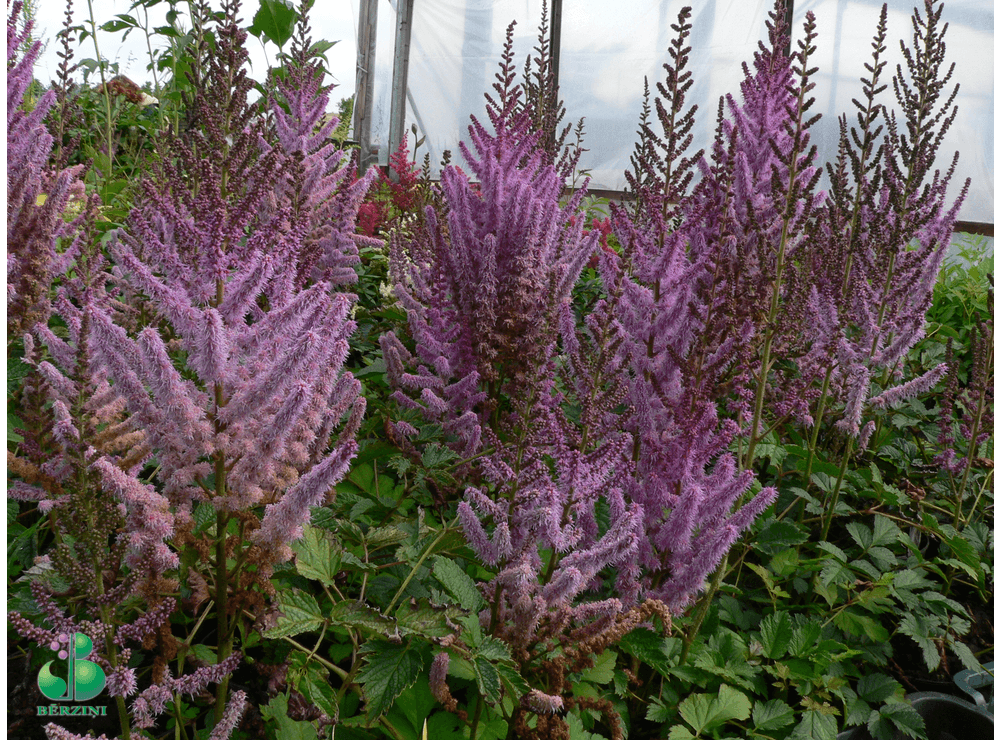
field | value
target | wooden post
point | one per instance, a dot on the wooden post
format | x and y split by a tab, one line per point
365	88
400	73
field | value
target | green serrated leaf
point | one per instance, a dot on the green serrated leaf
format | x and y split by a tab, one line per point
389	669
493	649
458	584
435	455
680	732
423	618
385	536
705	712
648	647
776	634
488	679
877	687
299	613
315	686
905	718
657	711
815	726
860	624
603	669
513	681
317	555
917	628
286	728
777	536
577	731
965	655
351	613
772	715
275	20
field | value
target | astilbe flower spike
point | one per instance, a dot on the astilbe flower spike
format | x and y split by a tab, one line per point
37	196
884	230
320	187
267	382
482	291
703	273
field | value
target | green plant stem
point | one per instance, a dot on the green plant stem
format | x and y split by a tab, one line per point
225	639
817	422
475	718
703	606
416	567
104	87
332	667
835	496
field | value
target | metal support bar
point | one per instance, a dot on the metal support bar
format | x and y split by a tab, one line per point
365	88
555	39
400	73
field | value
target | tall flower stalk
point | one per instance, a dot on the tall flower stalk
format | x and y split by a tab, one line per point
238	382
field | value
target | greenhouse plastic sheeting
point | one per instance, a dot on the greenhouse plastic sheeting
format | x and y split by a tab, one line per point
608	48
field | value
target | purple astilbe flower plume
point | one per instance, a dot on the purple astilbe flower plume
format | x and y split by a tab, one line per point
153	700
703	273
320	189
238	379
211	246
482	291
37	197
885	229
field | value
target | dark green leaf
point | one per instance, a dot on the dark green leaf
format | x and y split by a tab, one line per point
877	687
488	679
772	715
275	20
389	669
776	634
458	584
815	726
648	647
776	536
905	718
299	613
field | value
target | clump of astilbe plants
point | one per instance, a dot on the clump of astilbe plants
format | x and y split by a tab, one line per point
497	359
231	376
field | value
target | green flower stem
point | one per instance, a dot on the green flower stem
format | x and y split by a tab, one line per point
416	567
832	506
